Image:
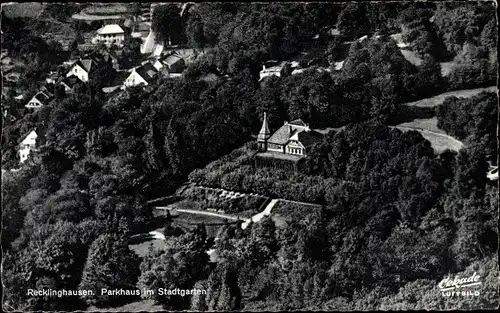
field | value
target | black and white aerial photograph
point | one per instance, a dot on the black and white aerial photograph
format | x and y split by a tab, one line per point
249	156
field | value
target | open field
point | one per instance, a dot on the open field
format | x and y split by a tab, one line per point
439	141
424	123
141	249
437	100
414	59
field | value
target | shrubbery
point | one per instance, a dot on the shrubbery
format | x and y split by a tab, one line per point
203	199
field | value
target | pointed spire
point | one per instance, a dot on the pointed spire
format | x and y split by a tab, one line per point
264	131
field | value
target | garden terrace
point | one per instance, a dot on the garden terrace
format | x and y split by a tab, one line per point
277	160
202	198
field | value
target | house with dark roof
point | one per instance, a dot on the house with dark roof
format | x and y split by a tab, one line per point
172	63
52	78
68	83
82	68
142	75
291	141
113	57
40	99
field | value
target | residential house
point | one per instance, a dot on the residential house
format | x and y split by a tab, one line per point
112	34
69	83
82	69
293	138
52	78
27	145
39	100
142	75
48	89
112	57
170	63
274	68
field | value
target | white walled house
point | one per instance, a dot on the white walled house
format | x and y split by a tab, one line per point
112	34
173	63
273	68
27	145
81	69
84	67
39	100
142	75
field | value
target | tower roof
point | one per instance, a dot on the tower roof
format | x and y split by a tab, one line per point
264	130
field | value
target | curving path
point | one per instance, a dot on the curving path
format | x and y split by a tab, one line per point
246	221
230	217
256	218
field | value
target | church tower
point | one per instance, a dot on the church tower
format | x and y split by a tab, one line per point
264	135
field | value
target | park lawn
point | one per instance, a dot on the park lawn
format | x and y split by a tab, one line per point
424	123
141	249
437	100
439	141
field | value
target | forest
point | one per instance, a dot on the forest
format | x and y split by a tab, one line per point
395	217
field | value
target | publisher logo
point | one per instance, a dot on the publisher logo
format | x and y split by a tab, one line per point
460	286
